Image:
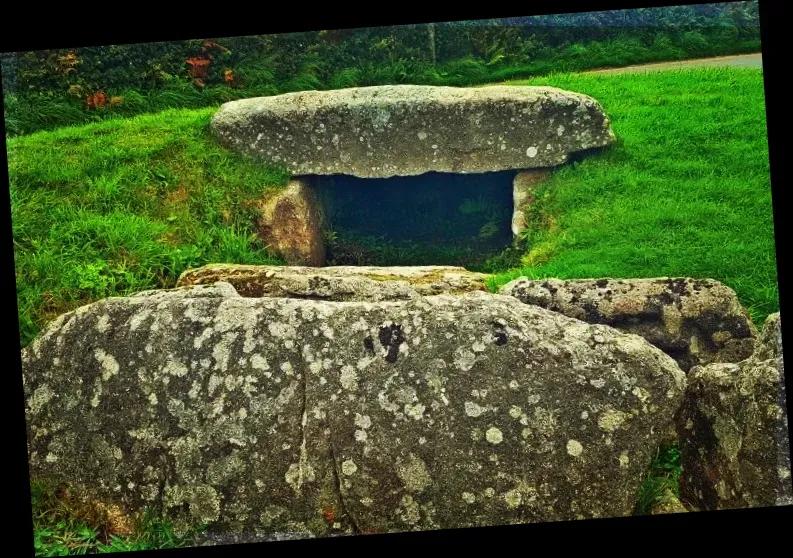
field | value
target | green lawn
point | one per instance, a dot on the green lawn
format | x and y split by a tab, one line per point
686	191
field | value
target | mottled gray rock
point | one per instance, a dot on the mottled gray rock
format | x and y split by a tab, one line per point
695	321
733	431
769	343
394	130
290	224
339	283
309	418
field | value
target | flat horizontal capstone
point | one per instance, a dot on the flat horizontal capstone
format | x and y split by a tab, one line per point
401	130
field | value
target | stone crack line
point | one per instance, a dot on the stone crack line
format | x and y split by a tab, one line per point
165	481
337	487
305	471
303	474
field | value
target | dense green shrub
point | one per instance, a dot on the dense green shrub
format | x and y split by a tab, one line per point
694	43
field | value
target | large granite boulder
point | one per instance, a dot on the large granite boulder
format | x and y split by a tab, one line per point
733	430
338	283
695	321
291	417
394	130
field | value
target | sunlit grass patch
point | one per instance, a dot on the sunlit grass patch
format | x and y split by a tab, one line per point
684	192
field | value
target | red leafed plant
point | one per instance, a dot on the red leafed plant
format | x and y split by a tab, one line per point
95	100
329	514
209	45
198	69
198	66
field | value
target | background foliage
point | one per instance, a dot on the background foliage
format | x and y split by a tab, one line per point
46	89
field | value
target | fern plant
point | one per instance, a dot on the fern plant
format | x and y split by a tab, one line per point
478	205
488	230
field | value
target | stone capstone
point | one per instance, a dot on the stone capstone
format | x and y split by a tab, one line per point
338	283
391	130
734	445
298	418
290	223
696	321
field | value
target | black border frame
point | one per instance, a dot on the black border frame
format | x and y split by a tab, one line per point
79	25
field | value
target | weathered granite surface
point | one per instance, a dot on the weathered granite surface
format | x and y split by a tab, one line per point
309	418
339	283
733	430
696	321
395	130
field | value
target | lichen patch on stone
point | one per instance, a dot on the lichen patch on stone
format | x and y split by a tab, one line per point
574	448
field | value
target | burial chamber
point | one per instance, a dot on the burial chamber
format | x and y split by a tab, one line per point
449	170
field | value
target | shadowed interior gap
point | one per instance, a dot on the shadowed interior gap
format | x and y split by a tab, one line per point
432	218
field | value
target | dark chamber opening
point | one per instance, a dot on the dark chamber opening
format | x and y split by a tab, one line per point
429	219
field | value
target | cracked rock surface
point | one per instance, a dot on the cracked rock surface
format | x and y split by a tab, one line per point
733	430
695	321
338	283
296	418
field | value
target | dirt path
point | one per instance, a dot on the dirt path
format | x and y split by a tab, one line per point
738	61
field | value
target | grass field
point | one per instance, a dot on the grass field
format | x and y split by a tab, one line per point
685	192
125	205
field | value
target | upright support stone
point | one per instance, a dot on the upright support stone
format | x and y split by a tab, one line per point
290	224
522	187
